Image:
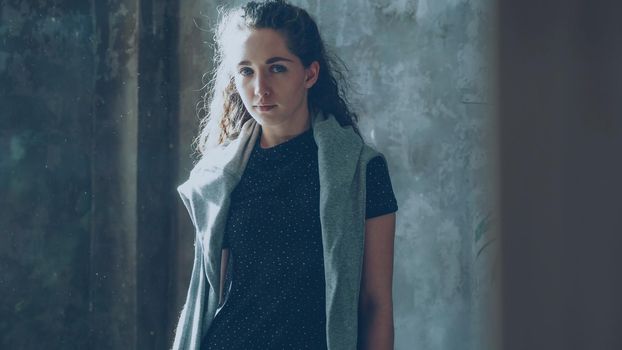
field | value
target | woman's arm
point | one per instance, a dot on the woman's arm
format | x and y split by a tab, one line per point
376	301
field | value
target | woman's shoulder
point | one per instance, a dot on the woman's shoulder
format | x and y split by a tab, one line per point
224	156
204	163
370	152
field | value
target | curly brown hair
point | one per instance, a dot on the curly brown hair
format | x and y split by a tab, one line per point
221	109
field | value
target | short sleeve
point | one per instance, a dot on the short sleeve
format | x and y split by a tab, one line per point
380	198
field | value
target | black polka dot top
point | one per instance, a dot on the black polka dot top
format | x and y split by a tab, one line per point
274	290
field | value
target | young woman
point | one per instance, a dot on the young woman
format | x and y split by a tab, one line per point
294	213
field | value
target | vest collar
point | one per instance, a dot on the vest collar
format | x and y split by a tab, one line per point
335	144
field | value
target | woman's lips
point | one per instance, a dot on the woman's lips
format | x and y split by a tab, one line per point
265	108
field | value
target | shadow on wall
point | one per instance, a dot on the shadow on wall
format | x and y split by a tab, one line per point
86	228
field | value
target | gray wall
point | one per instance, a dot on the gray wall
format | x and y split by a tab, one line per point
422	72
91	254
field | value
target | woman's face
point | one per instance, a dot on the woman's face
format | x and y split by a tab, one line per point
271	80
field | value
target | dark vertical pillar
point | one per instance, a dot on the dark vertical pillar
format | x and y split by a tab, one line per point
156	192
113	304
194	56
133	165
560	138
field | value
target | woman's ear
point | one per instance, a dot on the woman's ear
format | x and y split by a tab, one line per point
312	72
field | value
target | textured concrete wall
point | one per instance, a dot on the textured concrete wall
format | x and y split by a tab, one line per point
422	72
46	75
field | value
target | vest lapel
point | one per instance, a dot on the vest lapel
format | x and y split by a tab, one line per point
342	218
206	195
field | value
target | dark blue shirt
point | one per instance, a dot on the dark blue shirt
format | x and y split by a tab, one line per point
275	294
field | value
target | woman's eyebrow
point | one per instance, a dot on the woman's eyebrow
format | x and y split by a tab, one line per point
268	61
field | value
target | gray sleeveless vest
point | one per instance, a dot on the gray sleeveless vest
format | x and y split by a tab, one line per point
342	162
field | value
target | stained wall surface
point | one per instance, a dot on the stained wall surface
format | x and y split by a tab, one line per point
46	74
421	77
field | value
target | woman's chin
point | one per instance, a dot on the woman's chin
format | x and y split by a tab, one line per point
266	119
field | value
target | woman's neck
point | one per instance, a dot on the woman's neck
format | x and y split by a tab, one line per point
272	136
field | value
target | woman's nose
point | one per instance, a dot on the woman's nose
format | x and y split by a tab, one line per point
262	85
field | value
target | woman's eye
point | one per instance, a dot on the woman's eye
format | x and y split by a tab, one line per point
278	68
245	71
